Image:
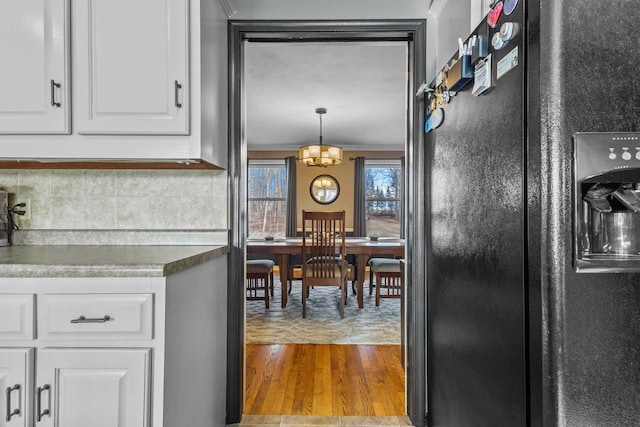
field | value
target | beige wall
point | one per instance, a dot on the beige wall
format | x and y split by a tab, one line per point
343	173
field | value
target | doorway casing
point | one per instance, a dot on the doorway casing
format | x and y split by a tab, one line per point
412	31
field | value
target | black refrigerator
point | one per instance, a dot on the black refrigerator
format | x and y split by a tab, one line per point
515	336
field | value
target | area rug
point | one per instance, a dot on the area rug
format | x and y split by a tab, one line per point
369	325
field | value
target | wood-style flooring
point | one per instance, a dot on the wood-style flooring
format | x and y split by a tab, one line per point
324	379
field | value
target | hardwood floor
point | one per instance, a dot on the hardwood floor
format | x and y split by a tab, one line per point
324	379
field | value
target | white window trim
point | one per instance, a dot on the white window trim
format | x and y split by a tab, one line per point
372	163
266	162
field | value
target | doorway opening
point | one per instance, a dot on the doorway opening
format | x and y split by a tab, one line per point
413	33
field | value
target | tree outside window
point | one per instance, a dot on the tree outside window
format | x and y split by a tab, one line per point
267	198
383	187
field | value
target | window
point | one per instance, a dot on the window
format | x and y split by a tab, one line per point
383	196
267	198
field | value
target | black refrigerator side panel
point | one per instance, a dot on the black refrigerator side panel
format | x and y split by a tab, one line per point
536	413
590	63
476	255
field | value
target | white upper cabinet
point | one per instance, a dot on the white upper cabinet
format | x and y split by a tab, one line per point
131	66
34	67
112	80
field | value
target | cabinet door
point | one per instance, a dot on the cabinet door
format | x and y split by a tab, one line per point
16	316
93	387
130	71
15	386
33	70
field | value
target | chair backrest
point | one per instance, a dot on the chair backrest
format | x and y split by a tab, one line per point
323	247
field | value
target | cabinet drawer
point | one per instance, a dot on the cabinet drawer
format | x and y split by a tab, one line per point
95	316
16	316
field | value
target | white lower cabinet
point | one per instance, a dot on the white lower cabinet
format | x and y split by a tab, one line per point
95	316
114	352
92	387
75	387
90	363
16	316
15	386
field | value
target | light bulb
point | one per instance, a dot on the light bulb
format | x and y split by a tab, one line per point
314	151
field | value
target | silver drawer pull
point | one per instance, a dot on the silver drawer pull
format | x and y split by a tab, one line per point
15	411
176	87
83	319
54	85
39	412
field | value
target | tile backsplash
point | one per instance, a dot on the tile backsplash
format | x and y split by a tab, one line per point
120	199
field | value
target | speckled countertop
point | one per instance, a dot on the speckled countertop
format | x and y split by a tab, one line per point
103	261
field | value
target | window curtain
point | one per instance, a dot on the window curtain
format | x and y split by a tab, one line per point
402	196
360	209
292	215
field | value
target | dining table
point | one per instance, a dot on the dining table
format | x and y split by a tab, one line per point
361	247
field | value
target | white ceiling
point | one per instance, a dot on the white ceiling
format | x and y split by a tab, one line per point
363	86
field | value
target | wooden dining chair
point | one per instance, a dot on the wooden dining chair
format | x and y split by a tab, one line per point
381	263
389	278
324	251
259	280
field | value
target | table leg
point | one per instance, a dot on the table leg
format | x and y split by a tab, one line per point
361	261
282	261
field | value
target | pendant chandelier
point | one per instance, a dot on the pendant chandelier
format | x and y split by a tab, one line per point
319	154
